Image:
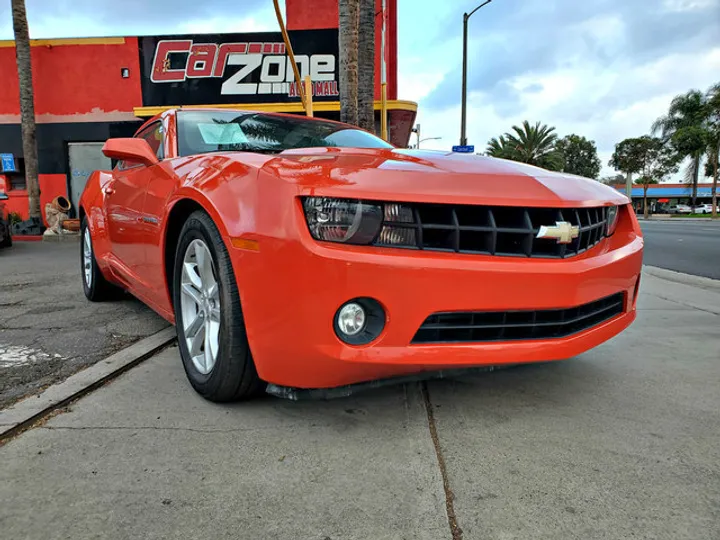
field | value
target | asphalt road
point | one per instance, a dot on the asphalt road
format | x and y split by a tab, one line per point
48	330
621	442
683	246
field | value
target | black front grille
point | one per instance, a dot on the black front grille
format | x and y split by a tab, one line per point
477	326
492	230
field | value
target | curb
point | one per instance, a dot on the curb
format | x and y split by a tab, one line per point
60	238
23	414
685	279
26	238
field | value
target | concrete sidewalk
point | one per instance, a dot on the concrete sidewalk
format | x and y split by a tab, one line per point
621	442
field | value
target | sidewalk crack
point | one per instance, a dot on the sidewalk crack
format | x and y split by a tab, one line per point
455	529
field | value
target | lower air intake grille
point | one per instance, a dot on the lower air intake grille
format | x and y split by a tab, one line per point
478	326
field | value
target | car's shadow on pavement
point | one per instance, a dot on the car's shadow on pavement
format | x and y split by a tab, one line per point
541	386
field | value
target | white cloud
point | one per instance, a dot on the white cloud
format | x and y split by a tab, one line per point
688	5
218	25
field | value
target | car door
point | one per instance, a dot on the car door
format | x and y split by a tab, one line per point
124	200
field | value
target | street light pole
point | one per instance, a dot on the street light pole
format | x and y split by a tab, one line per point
427	139
463	120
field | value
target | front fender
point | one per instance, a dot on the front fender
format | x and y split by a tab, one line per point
226	189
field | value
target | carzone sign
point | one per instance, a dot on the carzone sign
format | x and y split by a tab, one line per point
236	68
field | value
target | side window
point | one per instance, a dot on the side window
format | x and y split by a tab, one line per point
153	134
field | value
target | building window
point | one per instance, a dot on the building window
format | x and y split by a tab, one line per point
16	180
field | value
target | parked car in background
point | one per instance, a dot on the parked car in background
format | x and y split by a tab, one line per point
679	209
702	209
5	229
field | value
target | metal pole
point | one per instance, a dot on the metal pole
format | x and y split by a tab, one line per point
288	47
463	120
308	96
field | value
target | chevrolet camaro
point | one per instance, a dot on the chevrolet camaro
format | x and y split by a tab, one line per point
300	253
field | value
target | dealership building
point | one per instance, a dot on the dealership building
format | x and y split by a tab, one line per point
90	89
662	195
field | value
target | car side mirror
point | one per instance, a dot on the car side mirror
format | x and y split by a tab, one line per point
130	149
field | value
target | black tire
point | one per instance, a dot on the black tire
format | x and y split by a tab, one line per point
99	289
7	241
233	376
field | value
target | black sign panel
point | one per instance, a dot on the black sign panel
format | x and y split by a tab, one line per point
236	68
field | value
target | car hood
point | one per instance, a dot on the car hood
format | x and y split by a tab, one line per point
433	176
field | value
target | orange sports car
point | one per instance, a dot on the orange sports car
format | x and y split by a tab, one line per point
297	253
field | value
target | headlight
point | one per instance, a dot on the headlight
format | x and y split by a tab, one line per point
342	220
612	220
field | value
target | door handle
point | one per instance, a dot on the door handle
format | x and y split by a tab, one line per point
108	190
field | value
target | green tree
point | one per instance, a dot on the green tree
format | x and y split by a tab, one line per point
650	157
625	159
27	107
498	147
534	145
713	140
685	127
579	156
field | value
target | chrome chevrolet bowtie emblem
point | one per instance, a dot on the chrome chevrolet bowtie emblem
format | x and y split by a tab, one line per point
563	231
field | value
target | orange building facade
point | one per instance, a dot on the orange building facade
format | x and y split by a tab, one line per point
90	89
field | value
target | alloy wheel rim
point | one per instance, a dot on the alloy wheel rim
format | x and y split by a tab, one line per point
87	258
200	306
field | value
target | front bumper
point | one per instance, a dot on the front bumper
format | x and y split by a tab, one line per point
292	288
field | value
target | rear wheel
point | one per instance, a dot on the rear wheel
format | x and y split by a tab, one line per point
208	315
95	286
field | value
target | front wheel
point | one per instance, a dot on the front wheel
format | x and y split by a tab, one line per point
208	316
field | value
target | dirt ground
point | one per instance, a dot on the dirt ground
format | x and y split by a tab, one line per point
48	330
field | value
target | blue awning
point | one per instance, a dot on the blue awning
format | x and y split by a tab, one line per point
668	192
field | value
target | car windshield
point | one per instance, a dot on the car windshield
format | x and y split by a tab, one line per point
218	131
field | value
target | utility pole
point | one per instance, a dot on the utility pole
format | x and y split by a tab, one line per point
463	120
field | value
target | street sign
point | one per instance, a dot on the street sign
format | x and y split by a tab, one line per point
467	149
8	163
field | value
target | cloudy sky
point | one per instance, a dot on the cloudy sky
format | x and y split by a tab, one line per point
604	69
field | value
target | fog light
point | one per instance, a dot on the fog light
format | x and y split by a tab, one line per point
359	321
351	319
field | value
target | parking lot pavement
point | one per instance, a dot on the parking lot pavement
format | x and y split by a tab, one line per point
48	330
621	442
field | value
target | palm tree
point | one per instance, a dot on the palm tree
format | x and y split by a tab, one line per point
366	65
348	20
713	150
498	147
684	127
534	145
27	107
